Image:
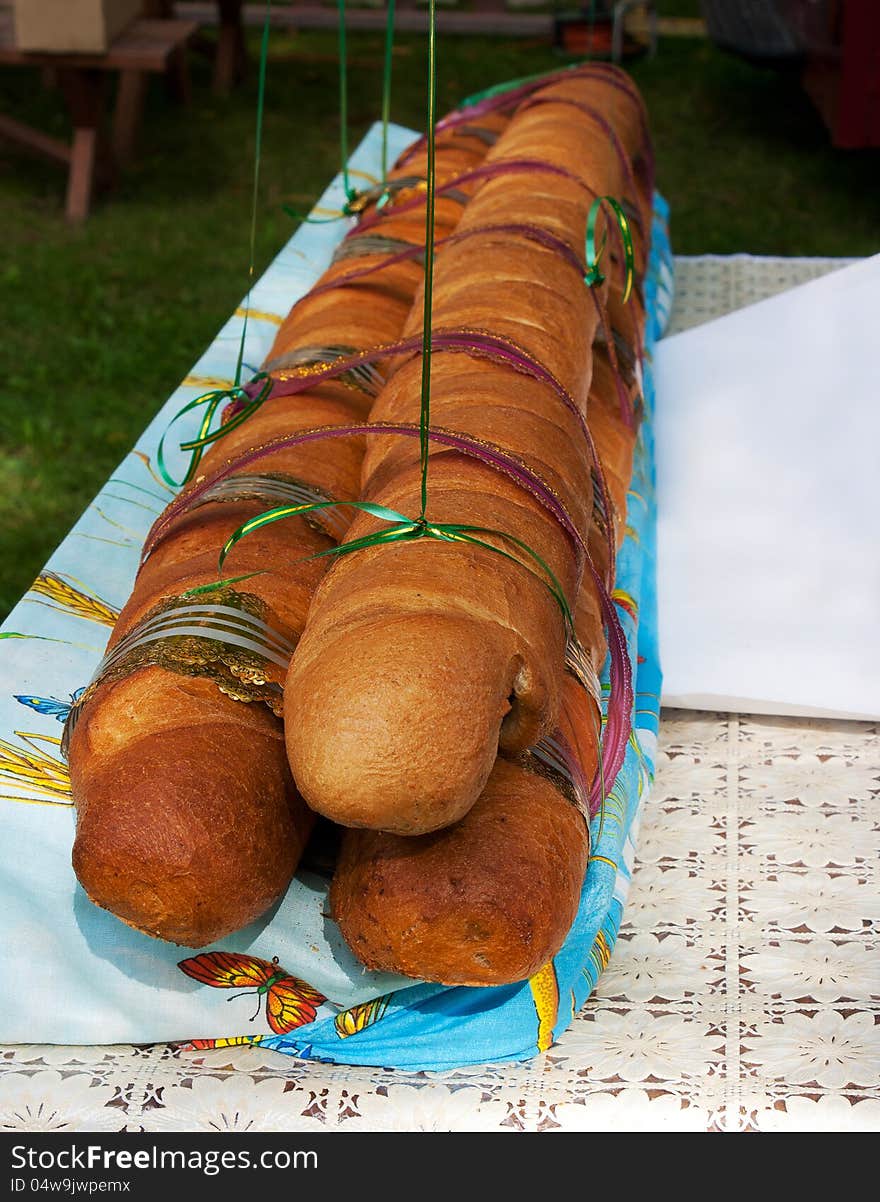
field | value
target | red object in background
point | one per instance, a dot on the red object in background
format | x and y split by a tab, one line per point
576	34
842	69
586	43
585	37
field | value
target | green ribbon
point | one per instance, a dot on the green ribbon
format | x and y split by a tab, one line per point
425	408
404	529
400	527
215	398
349	209
350	192
499	88
353	197
227	583
258	154
205	437
512	84
386	90
594	276
290	511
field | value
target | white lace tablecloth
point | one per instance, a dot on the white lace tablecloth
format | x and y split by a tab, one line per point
744	992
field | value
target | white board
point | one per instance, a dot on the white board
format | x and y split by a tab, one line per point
768	474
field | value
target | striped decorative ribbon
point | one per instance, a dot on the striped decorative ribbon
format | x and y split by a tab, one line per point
198	619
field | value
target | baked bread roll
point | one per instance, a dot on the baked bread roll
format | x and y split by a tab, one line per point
490	899
188	823
443	907
423	659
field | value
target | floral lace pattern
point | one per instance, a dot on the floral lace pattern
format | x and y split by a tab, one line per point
743	994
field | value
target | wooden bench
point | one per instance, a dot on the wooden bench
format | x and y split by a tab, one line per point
228	52
145	47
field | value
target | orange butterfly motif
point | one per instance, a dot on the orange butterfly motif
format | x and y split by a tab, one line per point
290	1002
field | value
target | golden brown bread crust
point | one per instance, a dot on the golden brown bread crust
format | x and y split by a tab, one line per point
188	823
479	903
490	900
347	759
176	837
457	651
519	291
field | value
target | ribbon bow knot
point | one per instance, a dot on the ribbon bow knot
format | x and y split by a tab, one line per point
594	275
242	403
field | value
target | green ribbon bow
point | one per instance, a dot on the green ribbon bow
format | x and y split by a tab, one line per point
404	529
213	400
594	276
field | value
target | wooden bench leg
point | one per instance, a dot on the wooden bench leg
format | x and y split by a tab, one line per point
81	180
127	118
84	93
35	140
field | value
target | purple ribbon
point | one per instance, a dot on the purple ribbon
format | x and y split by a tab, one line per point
618	724
620	702
607	129
501	100
487	171
487	453
483	345
533	232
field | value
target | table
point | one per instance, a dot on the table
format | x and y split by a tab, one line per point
144	47
742	995
230	54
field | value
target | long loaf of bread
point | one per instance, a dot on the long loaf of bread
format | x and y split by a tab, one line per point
490	899
188	823
422	660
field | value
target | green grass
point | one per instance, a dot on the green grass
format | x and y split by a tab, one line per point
100	323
